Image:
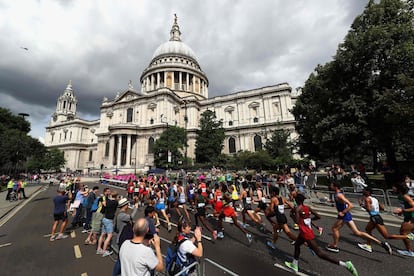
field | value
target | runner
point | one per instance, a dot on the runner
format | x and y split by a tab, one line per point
344	206
181	201
160	205
407	210
261	200
246	197
229	212
303	217
200	203
277	208
373	207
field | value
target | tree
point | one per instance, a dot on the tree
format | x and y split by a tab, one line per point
253	160
210	138
360	103
172	140
278	145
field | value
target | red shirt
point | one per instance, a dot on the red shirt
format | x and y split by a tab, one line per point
305	226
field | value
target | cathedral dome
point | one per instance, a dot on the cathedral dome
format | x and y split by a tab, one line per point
174	47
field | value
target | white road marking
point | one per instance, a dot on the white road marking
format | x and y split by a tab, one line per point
5	244
73	234
84	274
289	270
78	253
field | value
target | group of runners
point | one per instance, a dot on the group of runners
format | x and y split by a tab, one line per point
223	200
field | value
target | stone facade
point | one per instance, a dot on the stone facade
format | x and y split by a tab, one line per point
174	91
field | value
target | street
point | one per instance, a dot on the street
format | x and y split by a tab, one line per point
26	250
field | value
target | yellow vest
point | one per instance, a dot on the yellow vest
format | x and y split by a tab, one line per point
10	184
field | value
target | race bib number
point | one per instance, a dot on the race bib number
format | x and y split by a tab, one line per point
281	209
201	204
308	222
136	190
248	200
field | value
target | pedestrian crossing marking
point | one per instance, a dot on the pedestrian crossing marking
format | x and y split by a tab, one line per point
78	253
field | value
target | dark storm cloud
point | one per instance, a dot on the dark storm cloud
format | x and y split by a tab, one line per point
101	45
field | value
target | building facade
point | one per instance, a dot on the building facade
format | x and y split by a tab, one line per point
174	91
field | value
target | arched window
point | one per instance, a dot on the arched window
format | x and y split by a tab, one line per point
257	143
151	145
107	149
129	115
232	145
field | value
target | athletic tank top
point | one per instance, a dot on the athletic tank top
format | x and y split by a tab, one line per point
280	208
375	209
305	224
181	197
340	206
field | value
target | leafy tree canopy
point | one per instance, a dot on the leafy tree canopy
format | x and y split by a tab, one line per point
210	137
361	102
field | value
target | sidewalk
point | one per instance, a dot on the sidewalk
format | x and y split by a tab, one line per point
7	206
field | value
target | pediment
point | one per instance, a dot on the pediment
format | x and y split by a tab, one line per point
254	105
128	95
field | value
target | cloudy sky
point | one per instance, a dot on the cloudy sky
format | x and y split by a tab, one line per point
101	45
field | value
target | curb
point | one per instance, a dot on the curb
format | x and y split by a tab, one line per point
19	203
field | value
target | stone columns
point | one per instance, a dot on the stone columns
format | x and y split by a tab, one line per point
119	151
128	151
111	150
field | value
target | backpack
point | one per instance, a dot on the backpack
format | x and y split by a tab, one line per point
173	263
95	204
127	233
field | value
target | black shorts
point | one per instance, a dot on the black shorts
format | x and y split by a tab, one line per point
201	212
61	216
377	219
281	219
262	205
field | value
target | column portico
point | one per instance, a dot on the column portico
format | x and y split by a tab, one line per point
128	151
119	150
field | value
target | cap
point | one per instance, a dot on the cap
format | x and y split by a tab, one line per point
122	202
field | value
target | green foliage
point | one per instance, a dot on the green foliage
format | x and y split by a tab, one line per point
210	138
173	139
361	102
253	160
278	146
19	152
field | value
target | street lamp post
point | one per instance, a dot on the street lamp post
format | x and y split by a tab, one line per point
23	115
168	140
136	150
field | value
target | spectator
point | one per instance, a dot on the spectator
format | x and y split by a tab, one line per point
121	220
388	172
137	258
190	248
358	182
91	198
410	185
61	204
110	205
23	184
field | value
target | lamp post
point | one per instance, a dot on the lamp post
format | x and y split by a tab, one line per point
23	115
136	150
168	140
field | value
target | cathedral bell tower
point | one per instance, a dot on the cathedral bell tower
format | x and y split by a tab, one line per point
66	106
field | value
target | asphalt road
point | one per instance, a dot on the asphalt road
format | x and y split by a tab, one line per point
25	248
